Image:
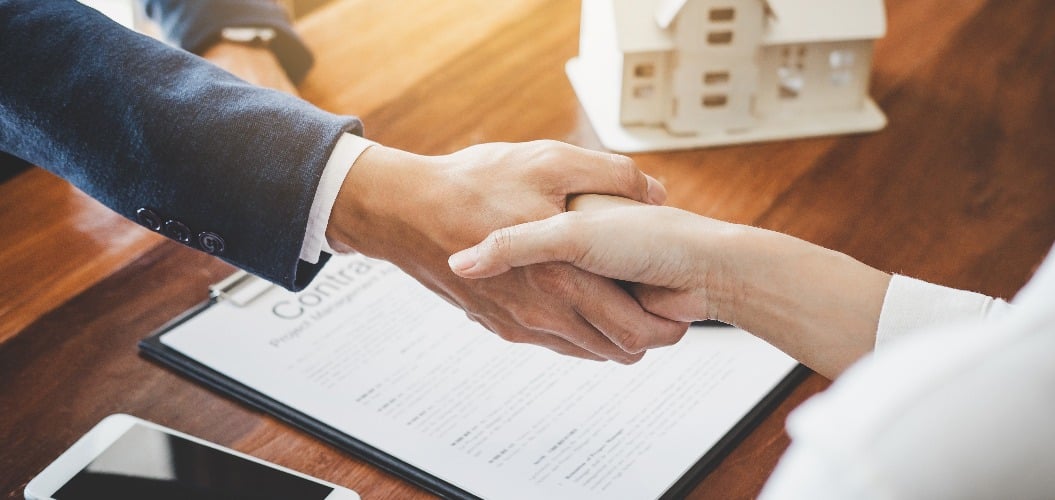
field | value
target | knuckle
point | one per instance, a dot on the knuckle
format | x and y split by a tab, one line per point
550	158
511	334
549	144
483	321
632	358
676	332
544	151
627	175
532	319
499	242
630	341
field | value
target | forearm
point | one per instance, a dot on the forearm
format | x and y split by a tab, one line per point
136	123
819	306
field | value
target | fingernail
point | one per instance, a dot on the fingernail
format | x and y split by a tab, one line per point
463	260
657	194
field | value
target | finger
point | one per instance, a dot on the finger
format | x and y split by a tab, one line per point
673	304
587	202
578	331
560	316
518	334
607	173
657	192
622	320
555	239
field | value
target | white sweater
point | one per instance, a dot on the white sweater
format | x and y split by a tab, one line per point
957	401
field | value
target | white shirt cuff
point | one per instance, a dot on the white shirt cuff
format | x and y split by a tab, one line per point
912	304
345	153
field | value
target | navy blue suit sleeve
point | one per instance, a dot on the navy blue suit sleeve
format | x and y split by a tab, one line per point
138	124
195	25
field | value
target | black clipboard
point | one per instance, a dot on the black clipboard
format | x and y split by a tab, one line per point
152	348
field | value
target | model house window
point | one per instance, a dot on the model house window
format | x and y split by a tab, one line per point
791	73
720	37
722	14
645	70
842	78
841	64
839	59
794	56
714	100
643	91
715	77
791	82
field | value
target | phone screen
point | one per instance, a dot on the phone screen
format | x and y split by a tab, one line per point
147	463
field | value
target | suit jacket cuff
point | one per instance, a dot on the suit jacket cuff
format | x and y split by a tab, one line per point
344	154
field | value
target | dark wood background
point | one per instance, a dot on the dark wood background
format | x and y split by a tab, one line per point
958	189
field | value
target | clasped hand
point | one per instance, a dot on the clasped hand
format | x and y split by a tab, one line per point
661	252
415	211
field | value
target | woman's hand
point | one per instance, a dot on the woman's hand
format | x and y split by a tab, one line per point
674	258
819	306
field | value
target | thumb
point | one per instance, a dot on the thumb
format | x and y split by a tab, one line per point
547	240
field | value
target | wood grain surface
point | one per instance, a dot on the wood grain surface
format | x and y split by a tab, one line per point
958	189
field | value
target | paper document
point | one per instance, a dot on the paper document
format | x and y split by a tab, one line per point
371	352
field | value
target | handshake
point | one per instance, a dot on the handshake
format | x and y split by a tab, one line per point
543	274
570	249
416	211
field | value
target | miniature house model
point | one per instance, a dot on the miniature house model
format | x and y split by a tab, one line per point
672	74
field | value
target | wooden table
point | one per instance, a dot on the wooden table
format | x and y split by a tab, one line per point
958	189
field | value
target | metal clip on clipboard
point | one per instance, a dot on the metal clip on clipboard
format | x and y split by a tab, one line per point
239	289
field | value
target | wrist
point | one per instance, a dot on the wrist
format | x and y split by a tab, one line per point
376	201
720	268
818	305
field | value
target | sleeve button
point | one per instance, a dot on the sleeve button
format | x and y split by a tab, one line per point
178	231
149	219
211	242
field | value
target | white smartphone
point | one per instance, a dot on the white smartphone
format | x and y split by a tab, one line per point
124	457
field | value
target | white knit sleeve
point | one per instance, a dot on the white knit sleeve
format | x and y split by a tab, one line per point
911	305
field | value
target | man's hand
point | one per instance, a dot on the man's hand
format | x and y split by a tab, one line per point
256	65
415	211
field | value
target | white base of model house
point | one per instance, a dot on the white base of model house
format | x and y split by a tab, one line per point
602	107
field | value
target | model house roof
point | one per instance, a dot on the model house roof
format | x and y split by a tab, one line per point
667	10
797	21
635	30
643	25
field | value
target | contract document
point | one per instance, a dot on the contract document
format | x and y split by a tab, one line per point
369	353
